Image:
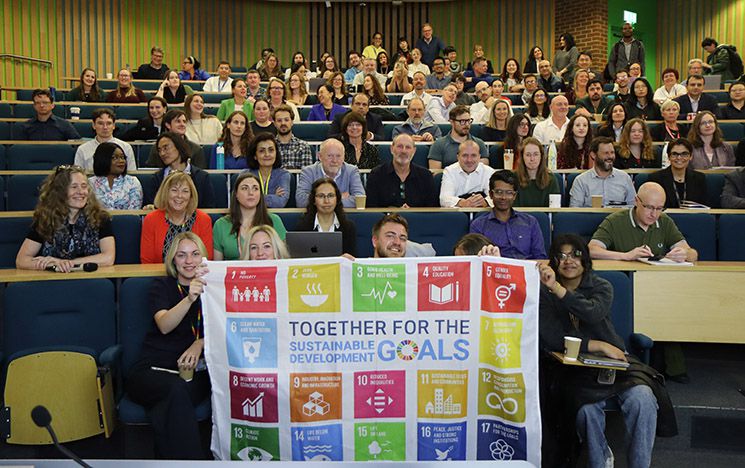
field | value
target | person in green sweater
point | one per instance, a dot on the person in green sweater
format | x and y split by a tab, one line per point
535	181
247	209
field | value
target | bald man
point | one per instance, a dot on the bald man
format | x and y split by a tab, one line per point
330	164
465	183
554	127
641	232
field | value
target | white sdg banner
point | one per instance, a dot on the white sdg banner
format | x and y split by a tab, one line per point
377	359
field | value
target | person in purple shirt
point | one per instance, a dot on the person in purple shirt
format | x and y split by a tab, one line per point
326	109
516	234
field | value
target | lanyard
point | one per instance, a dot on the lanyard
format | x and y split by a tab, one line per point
194	328
221	85
264	185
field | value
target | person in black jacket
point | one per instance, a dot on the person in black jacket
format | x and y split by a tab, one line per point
325	213
679	180
150	126
696	94
360	104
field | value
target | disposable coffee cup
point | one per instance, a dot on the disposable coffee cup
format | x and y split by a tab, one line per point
571	348
598	117
75	113
186	374
360	201
597	201
554	200
109	76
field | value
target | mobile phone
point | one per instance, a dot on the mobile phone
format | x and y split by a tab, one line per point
606	376
655	258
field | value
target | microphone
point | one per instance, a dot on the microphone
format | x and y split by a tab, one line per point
87	267
41	417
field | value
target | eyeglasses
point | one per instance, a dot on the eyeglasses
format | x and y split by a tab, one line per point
464	121
326	196
276	88
564	256
675	154
524	124
706	123
503	193
654	209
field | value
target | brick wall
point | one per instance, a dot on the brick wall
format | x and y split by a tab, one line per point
587	21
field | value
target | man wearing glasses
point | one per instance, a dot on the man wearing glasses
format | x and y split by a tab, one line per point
45	125
516	234
641	232
614	185
444	151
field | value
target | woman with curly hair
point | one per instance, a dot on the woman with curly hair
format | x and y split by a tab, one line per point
374	91
635	147
325	213
574	149
247	209
69	226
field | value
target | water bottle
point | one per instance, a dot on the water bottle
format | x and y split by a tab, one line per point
509	159
220	157
552	156
665	156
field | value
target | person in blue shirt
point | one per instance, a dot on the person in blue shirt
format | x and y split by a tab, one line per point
326	109
192	71
235	139
265	161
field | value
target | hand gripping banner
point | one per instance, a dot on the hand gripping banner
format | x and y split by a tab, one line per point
374	359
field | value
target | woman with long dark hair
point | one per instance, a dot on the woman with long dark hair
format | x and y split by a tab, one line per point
87	90
565	58
265	161
325	213
235	139
574	149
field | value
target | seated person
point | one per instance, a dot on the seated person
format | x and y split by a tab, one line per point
87	90
239	101
733	192
222	83
156	69
419	81
175	341
192	70
262	122
330	164
103	125
325	213
45	125
416	125
465	183
114	189
535	181
390	236
573	151
641	231
400	182
735	109
326	109
438	109
444	151
670	129
295	152
174	156
174	121
175	212
635	148
247	210
595	103
695	100
125	92
681	183
150	126
670	88
574	301
516	234
69	226
172	90
264	244
640	104
438	79
235	139
603	179
553	128
265	162
201	128
709	148
475	244
357	151
361	105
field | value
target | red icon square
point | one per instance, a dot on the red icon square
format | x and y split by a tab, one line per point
251	289
503	288
444	286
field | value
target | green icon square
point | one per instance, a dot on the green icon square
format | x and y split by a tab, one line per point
379	288
252	443
380	441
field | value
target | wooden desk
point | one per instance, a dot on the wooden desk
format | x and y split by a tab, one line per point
116	271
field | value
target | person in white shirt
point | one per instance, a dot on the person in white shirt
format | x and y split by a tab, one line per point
420	84
369	66
416	65
480	110
553	128
438	109
103	125
670	88
221	82
465	183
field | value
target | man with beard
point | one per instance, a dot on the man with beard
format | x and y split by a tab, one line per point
614	185
355	66
399	182
626	51
516	234
419	81
296	153
444	151
595	102
416	126
389	236
480	110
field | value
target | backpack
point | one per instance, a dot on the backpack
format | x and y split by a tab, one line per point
735	61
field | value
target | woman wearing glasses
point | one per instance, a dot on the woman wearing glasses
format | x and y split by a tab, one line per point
247	209
112	186
325	213
277	95
709	148
69	226
681	183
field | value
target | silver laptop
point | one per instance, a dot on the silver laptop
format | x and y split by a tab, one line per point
305	244
712	82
